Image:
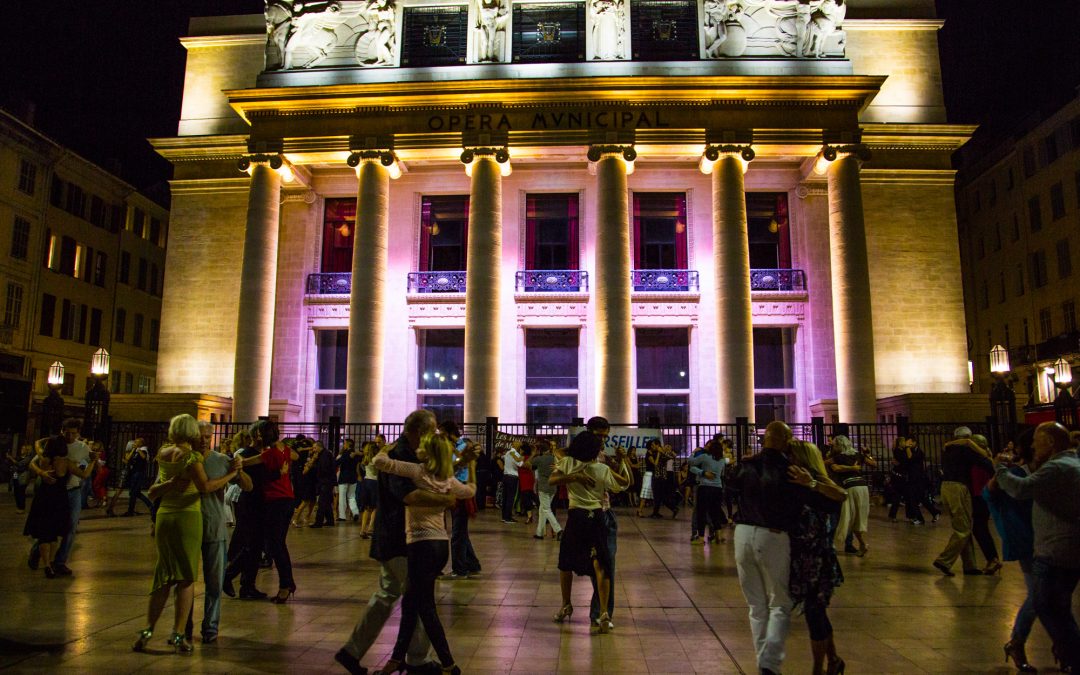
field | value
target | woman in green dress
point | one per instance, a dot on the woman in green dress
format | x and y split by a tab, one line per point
181	479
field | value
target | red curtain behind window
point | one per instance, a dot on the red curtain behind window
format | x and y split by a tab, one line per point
572	230
783	225
570	209
636	224
681	227
457	207
425	236
339	225
664	203
530	232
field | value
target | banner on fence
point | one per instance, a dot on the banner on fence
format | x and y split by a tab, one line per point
506	441
631	438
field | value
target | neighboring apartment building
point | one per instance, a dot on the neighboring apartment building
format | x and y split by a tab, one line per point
82	260
1018	208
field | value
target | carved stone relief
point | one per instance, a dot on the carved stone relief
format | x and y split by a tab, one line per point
608	21
330	33
793	28
487	36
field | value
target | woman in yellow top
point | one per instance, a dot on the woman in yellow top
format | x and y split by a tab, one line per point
181	479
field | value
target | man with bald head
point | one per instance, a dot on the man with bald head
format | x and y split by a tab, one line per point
1054	488
769	507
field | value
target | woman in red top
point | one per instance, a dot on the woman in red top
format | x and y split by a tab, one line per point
527	483
277	501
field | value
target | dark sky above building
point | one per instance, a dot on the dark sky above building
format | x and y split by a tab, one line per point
105	75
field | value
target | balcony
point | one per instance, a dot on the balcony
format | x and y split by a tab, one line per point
661	281
552	281
777	280
329	283
437	282
1048	350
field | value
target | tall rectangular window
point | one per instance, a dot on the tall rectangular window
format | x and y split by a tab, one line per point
69	256
551	375
95	327
1046	324
121	325
97	211
1029	162
153	279
997	236
56	191
75	202
1068	313
1064	259
1039	277
155	231
137	331
67	320
332	350
27	176
551	232
440	372
769	230
125	267
774	374
1020	279
339	223
659	223
1050	148
20	238
155	334
1016	228
101	262
13	305
129	381
663	375
444	233
1034	214
48	315
143	274
1057	201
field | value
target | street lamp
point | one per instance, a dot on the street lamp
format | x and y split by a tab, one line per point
1002	398
1064	403
97	399
54	405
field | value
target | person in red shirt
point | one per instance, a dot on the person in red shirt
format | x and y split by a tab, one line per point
527	498
277	501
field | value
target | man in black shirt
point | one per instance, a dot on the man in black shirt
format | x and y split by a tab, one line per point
769	507
957	460
388	547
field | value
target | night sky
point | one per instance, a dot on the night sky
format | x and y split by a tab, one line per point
107	74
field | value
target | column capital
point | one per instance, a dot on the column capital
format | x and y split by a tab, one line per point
471	153
830	152
744	152
273	160
598	150
386	157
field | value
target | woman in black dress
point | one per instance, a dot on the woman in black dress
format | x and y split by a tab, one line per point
49	518
912	464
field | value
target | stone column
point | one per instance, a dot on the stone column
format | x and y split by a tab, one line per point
258	279
853	331
364	377
731	263
614	329
482	278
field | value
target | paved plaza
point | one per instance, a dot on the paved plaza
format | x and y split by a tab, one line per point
678	607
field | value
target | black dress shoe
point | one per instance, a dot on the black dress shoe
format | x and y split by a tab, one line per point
349	662
227	588
973	573
429	668
252	594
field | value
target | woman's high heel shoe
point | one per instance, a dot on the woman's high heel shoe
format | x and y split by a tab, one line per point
1014	651
992	567
180	644
280	599
452	670
836	667
142	640
564	613
603	624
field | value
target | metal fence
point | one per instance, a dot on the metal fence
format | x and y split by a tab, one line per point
878	439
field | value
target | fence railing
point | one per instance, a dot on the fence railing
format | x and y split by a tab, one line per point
551	281
437	282
877	438
665	280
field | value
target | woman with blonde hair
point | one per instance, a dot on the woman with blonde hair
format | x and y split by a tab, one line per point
179	528
368	490
428	543
815	570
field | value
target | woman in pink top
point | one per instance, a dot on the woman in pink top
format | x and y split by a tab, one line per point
428	543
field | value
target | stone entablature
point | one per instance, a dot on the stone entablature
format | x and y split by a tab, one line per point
369	33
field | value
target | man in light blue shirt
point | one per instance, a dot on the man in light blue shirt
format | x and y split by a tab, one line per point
709	469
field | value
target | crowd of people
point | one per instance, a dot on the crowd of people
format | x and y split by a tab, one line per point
793	508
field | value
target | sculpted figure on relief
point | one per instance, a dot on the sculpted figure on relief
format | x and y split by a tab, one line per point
823	22
490	30
720	17
313	34
279	16
377	43
607	28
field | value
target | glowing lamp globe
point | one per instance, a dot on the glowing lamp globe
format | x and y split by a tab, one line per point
1062	371
56	374
999	360
99	363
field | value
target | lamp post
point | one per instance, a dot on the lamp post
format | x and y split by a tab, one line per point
53	405
1002	398
97	399
1064	403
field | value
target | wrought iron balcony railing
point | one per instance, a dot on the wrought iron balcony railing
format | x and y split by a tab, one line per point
437	282
552	281
665	280
777	280
329	283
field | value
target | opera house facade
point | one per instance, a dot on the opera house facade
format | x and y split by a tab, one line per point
659	211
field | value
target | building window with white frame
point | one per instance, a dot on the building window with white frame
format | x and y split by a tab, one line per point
20	238
663	376
331	356
13	305
27	177
440	372
551	375
774	374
